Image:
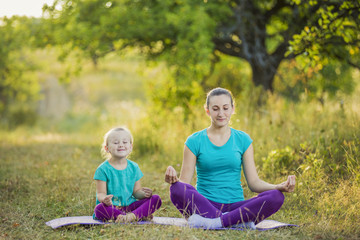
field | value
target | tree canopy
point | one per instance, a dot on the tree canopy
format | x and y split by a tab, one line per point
16	82
190	35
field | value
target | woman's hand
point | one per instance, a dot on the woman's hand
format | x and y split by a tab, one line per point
147	191
107	200
170	175
288	185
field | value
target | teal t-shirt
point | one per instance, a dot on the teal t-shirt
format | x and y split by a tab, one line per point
120	183
219	168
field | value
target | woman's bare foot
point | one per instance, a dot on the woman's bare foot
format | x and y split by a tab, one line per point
130	217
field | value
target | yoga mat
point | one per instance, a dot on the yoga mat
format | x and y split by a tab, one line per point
181	222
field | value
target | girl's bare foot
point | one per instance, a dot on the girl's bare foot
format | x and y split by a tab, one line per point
148	218
130	217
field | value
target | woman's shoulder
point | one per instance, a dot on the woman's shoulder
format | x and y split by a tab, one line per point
198	134
239	133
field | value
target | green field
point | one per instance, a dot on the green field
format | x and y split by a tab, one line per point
47	168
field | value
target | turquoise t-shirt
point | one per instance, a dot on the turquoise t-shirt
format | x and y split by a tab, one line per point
219	168
120	183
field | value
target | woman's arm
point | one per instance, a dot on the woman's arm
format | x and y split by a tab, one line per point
255	183
188	166
102	193
187	169
141	193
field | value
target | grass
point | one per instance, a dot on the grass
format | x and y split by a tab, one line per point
47	175
42	181
47	169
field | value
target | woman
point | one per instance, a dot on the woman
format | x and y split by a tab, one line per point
218	153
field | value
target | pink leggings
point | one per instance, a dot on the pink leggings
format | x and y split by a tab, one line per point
142	209
189	201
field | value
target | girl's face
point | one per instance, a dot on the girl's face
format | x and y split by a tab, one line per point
220	110
119	144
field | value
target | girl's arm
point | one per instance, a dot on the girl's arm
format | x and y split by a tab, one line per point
253	180
187	169
102	193
141	193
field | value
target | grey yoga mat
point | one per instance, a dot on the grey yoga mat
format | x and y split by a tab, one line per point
88	220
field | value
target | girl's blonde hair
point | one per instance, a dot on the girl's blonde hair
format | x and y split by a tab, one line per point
104	153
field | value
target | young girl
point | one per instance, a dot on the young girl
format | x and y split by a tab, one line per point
219	153
120	196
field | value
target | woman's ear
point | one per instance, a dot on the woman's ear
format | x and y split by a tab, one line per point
207	111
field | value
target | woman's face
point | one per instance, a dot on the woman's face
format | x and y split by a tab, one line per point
220	110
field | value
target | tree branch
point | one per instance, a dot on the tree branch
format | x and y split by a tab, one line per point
229	47
276	8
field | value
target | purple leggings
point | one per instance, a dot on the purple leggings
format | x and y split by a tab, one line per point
142	209
189	201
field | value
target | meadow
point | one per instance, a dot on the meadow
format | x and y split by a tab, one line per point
47	168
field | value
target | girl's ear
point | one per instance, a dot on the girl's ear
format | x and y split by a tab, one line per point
106	148
207	111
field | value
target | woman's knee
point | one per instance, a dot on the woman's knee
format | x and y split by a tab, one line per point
177	189
180	192
277	198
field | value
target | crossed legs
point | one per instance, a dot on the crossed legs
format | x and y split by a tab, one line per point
189	201
141	209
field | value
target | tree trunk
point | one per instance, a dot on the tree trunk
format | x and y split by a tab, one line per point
245	37
263	74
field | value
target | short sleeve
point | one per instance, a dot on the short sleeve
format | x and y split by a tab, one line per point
192	143
245	140
138	173
100	175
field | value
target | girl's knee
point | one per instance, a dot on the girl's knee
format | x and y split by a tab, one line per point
156	197
100	207
104	212
157	200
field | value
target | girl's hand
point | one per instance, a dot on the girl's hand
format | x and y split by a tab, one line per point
147	191
107	200
288	185
170	175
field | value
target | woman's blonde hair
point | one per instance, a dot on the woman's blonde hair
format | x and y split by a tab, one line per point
104	153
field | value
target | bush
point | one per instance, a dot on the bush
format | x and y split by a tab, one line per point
280	162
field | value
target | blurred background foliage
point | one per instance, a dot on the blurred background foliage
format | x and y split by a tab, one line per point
85	62
288	47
